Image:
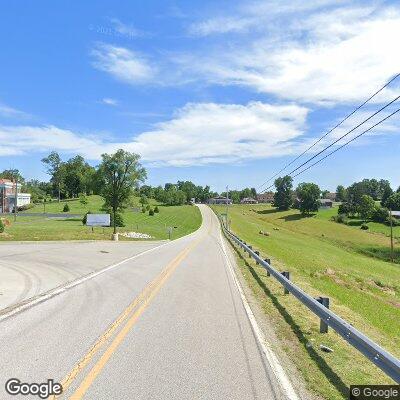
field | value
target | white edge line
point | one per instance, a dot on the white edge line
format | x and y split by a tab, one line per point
273	361
69	285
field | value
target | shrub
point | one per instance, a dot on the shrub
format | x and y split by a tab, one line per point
151	212
66	207
379	214
143	210
156	210
341	218
2	226
26	207
84	219
395	222
364	227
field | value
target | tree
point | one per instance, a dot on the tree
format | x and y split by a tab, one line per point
366	207
393	202
308	195
121	173
386	193
12	174
143	200
54	168
283	196
341	193
83	199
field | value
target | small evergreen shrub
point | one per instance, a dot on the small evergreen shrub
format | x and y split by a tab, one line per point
143	210
66	207
364	227
156	210
84	219
119	220
151	212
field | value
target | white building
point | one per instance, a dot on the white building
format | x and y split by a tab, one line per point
7	196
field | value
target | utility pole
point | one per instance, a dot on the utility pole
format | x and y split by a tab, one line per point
15	198
227	197
391	236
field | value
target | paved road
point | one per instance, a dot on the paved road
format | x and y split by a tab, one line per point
169	324
28	269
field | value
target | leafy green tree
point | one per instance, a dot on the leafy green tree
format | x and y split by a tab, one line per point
12	174
83	199
387	192
283	196
121	173
366	207
308	195
143	200
341	193
54	167
393	202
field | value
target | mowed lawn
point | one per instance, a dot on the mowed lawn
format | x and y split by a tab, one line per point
329	259
182	219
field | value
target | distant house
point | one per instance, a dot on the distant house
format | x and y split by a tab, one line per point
219	200
267	197
7	196
326	203
331	196
396	214
248	200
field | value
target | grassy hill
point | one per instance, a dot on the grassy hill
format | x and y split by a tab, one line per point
183	219
338	261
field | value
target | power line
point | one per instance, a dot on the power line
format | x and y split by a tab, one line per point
347	143
337	140
330	131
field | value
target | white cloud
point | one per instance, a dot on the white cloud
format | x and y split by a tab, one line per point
198	134
126	30
10	112
123	64
109	101
317	55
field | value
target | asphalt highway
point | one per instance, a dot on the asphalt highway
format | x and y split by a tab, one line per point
169	324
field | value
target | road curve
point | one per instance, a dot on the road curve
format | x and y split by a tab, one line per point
169	324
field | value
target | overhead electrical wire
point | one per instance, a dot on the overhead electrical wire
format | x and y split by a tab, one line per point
347	143
340	138
330	131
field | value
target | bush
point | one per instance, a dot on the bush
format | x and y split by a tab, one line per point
364	227
395	222
341	218
66	207
26	207
151	212
380	214
84	219
143	210
2	226
156	210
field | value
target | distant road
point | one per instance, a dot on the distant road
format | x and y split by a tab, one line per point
169	324
38	214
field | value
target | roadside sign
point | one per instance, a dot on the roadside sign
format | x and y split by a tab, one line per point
98	220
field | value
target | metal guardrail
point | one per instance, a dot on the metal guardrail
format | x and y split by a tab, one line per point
389	364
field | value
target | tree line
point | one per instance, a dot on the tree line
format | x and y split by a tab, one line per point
369	199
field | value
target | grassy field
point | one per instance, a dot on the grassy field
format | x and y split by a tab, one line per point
183	220
330	259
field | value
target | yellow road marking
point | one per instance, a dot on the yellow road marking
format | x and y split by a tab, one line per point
144	299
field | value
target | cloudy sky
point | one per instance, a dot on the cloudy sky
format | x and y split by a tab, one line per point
219	92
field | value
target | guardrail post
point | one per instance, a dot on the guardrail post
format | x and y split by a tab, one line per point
286	274
323	326
267	260
258	253
250	247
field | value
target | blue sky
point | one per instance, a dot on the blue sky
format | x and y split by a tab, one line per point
217	92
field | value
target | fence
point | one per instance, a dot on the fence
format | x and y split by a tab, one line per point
379	356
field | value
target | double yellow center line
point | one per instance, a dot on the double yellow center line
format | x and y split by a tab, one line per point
131	314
